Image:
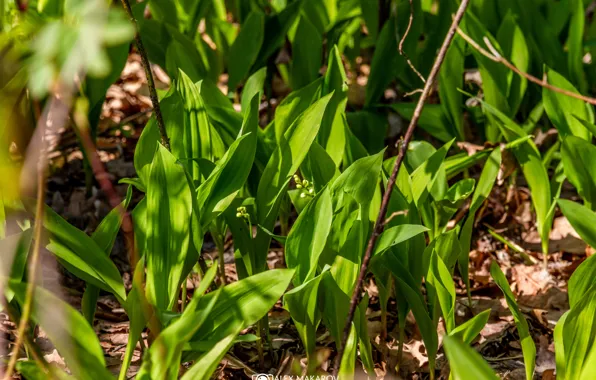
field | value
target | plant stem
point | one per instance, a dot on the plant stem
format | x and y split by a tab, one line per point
379	224
150	83
220	257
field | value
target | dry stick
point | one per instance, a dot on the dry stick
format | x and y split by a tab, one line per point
403	39
391	182
496	57
151	84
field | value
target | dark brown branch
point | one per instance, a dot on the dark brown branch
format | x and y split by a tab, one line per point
378	229
150	83
494	55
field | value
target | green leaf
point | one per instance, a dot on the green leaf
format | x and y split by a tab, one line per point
579	330
451	78
104	236
162	360
67	330
439	278
578	155
81	255
244	302
139	312
204	367
294	104
360	179
530	161
396	235
307	52
302	303
527	344
564	110
481	193
231	172
582	280
308	236
245	49
385	56
575	43
253	87
286	160
466	363
14	250
582	220
168	214
433	119
511	38
470	329
423	178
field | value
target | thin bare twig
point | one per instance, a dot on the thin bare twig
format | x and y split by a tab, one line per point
494	55
393	215
403	39
150	83
378	229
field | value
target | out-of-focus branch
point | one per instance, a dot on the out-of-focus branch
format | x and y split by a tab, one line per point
150	83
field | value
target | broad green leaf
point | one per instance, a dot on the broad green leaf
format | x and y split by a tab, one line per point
582	280
578	155
104	236
579	330
308	236
204	367
287	158
451	77
481	193
513	43
319	167
31	370
14	250
139	312
244	302
470	329
423	178
307	51
230	173
81	255
439	278
564	110
559	346
396	235
332	134
575	43
527	344
360	179
68	331
302	303
581	218
293	105
530	161
465	362
162	360
168	214
433	119
385	56
253	87
245	50
494	75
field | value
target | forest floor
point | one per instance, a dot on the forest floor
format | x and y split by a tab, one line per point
541	294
